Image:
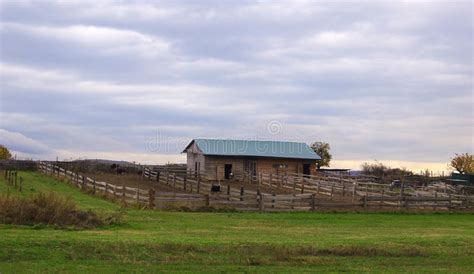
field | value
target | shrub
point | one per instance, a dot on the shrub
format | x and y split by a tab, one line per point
48	209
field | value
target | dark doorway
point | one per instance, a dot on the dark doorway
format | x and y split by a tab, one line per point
306	169
228	171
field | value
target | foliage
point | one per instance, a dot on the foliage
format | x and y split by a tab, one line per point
322	149
379	169
5	153
463	163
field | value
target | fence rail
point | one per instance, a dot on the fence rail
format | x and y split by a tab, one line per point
196	192
306	190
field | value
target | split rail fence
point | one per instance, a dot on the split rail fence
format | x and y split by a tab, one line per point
195	192
306	191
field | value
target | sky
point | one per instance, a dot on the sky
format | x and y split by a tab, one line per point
137	80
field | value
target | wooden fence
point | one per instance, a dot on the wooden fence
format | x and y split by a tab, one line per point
11	178
305	194
196	192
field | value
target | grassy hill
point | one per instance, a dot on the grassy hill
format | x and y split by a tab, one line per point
155	241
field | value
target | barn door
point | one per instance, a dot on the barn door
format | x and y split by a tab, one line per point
253	170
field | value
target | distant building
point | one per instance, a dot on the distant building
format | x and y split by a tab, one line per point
227	159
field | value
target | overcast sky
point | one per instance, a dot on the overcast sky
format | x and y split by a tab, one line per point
137	80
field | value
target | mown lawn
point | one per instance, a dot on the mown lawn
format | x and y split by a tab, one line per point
154	241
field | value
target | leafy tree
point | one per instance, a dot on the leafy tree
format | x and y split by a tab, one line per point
463	163
4	153
322	149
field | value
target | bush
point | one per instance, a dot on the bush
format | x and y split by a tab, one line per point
48	209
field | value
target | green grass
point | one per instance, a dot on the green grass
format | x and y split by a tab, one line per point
154	241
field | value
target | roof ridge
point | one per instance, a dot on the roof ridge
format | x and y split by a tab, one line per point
243	140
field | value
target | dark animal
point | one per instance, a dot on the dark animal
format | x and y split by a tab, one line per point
117	169
215	188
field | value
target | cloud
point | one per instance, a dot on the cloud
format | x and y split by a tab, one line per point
18	142
389	81
105	40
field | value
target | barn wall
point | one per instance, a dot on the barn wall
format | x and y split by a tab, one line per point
264	165
194	155
213	162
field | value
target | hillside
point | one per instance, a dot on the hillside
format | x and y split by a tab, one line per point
159	241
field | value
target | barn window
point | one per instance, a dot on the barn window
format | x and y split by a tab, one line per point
280	165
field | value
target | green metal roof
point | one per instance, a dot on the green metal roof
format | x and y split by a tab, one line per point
276	149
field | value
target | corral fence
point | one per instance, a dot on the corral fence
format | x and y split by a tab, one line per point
12	179
305	193
346	186
195	193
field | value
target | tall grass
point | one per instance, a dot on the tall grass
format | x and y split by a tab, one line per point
48	209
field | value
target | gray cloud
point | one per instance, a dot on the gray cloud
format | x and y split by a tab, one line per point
377	80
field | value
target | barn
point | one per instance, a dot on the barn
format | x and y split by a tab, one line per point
231	159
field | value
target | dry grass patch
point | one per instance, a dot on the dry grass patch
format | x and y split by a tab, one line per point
49	209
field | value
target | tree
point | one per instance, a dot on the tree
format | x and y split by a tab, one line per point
379	169
463	163
4	153
322	149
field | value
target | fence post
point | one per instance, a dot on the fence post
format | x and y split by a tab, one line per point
228	192
174	180
332	191
450	201
185	181
343	189
302	186
207	199
138	196
313	202
123	194
105	188
294	186
158	176
271	180
151	198
241	193
83	182
354	191
273	200
198	185
260	201
93	186
16	179
115	191
317	188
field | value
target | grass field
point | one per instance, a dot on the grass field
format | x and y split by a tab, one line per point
154	241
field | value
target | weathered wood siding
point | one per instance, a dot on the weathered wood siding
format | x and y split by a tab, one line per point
266	165
214	165
194	154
